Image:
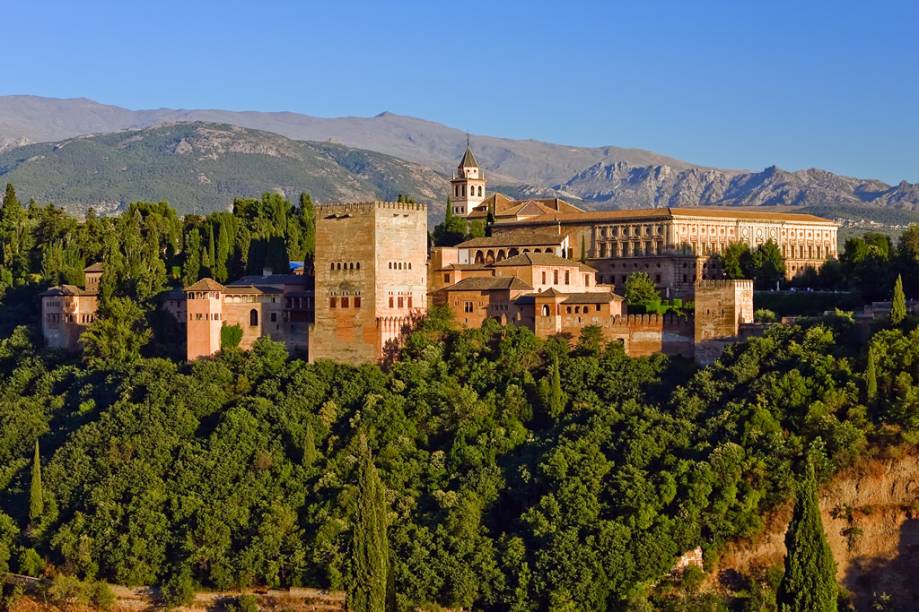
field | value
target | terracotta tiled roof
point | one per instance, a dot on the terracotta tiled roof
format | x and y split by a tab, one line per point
94	267
503	206
489	283
68	290
550	292
644	214
599	297
205	284
270	279
541	259
515	239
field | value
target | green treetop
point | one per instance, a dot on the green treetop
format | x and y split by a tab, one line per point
809	583
640	290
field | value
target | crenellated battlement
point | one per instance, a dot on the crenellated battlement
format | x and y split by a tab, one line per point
725	283
366	208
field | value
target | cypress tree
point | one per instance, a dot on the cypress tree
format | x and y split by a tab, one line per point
556	398
370	546
308	216
871	377
36	496
191	271
211	250
898	305
221	272
809	583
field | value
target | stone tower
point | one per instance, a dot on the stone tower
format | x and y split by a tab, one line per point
371	278
204	305
468	184
721	307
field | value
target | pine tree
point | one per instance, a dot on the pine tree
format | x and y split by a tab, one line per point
871	378
809	583
370	546
898	305
36	496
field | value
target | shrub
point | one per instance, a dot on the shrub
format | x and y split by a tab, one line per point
764	315
230	337
102	596
30	562
66	589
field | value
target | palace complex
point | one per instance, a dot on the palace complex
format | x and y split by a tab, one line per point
546	265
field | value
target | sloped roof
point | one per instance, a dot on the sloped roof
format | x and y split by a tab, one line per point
663	214
550	292
541	259
598	297
468	160
524	238
95	267
68	290
489	283
205	284
503	206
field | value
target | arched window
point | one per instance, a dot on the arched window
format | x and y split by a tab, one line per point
480	190
253	317
545	310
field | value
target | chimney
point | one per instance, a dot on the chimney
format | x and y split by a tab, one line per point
266	272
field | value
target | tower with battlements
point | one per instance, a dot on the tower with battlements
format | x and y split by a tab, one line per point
370	278
468	185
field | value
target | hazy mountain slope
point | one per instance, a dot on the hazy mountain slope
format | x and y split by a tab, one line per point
438	146
201	167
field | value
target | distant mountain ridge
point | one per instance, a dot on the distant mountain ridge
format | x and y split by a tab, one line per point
597	177
202	167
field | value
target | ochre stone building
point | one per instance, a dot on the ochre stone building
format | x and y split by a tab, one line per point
67	310
675	246
371	278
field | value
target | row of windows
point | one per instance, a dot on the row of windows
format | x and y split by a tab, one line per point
631	230
84	319
625	249
459	191
298	303
400	265
344	265
345	301
555	277
400	301
578	309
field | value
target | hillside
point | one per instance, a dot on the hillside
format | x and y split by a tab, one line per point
201	167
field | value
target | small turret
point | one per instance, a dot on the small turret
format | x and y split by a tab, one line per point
468	184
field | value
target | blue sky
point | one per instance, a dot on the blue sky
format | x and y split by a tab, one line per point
738	84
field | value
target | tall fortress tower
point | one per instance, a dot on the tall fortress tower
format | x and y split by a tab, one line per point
468	184
371	278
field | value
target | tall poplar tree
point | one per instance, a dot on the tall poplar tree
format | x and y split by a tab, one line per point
809	583
36	495
556	396
369	545
898	304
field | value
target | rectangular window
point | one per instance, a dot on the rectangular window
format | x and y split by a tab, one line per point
598	308
446	278
401	303
554	277
274	317
344	302
409	301
467	306
544	277
332	302
567	276
390	302
357	301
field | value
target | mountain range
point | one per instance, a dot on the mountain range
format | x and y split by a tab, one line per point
108	155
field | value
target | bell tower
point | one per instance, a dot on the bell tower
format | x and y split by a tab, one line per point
468	184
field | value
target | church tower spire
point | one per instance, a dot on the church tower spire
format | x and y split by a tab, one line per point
468	184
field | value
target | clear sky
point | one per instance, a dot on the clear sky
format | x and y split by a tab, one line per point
829	84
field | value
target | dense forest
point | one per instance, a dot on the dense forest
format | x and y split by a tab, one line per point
482	468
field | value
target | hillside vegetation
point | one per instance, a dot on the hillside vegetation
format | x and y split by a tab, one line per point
201	167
